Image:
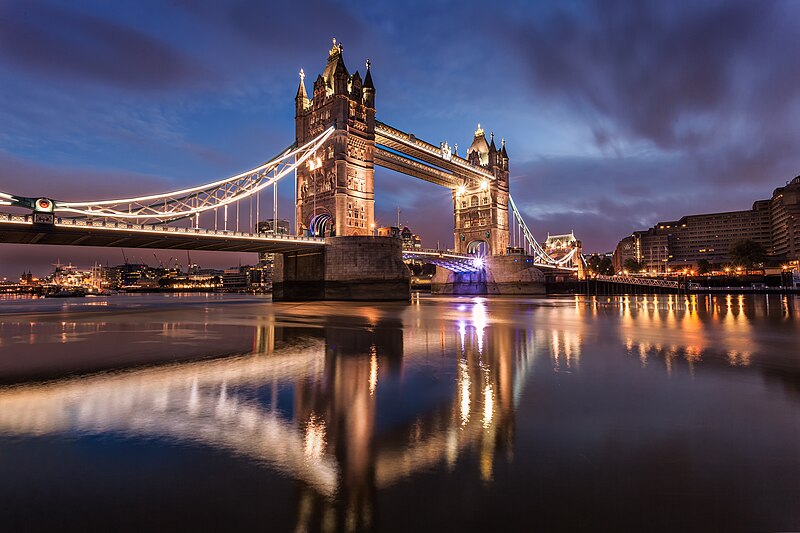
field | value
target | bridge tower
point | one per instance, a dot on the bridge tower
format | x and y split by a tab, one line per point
335	189
481	207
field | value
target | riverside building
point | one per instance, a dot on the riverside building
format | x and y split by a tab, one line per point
681	244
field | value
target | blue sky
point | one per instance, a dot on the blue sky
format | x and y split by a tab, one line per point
616	114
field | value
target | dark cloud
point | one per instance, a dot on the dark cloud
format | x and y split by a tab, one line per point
55	41
710	91
660	71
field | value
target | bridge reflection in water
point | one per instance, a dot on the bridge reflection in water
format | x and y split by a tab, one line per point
344	403
328	440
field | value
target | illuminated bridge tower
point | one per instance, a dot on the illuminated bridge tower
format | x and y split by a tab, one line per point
481	208
335	189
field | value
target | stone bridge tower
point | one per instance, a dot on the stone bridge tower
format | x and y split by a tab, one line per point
481	207
335	189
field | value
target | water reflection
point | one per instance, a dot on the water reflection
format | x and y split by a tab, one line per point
328	439
348	403
727	327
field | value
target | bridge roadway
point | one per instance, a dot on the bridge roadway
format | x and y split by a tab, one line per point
20	229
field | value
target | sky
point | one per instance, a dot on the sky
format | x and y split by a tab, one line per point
616	114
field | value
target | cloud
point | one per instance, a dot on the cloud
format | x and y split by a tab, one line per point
64	43
29	178
691	108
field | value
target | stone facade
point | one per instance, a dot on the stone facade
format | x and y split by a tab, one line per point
336	187
481	207
348	268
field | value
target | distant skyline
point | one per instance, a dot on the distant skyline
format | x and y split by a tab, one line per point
616	114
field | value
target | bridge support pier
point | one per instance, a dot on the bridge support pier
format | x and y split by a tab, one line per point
348	268
503	275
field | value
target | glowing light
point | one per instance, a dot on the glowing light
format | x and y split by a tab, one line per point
488	405
484	185
373	373
479	321
464	383
461	190
315	438
478	262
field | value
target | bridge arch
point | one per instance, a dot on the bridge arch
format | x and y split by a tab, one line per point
321	225
479	247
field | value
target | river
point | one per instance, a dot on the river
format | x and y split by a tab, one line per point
224	412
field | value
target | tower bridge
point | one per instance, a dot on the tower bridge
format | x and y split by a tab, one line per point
333	253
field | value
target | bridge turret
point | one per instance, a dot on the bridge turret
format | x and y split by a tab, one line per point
301	100
355	86
335	192
336	74
503	154
478	152
494	158
369	88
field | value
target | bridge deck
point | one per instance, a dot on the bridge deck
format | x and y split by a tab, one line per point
19	229
410	167
408	144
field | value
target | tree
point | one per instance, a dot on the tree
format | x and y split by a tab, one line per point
703	266
600	264
593	263
606	267
748	253
632	265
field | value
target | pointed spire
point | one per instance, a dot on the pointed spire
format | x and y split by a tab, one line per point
492	147
503	149
368	77
301	90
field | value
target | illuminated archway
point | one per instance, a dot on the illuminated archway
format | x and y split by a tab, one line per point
479	248
321	225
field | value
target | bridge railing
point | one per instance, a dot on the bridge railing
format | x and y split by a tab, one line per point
436	252
646	282
159	228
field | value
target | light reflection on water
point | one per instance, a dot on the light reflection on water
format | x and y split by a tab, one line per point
348	403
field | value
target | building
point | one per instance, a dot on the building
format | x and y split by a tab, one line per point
389	231
411	241
785	221
269	226
557	246
235	279
336	189
683	243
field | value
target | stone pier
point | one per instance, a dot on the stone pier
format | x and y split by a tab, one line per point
348	268
503	275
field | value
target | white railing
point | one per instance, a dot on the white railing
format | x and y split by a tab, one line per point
150	228
645	282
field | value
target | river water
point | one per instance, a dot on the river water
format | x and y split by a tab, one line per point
224	413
